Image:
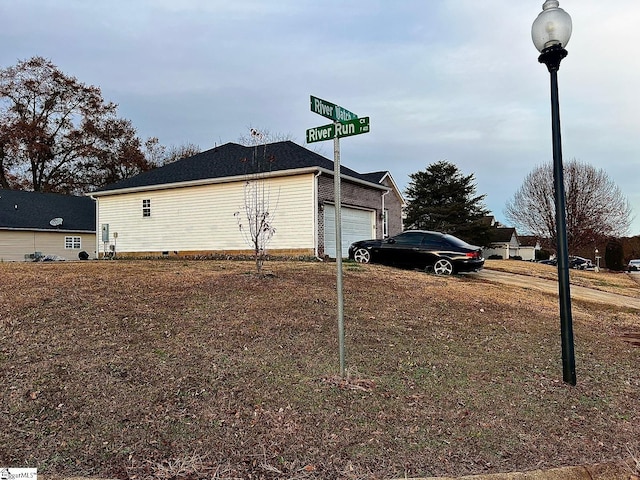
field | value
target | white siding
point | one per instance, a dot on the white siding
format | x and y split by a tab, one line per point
201	218
527	253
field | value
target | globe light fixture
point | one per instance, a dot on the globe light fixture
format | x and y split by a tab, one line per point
552	27
550	33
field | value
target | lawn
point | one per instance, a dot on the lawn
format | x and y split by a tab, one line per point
200	369
620	283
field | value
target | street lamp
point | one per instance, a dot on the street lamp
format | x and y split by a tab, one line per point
550	33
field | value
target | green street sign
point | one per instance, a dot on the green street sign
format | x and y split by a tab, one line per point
331	110
352	127
333	130
318	134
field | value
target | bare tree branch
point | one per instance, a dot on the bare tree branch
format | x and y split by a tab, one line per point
595	206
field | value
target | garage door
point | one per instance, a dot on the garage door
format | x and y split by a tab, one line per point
356	225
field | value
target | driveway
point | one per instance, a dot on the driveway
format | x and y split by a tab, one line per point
551	287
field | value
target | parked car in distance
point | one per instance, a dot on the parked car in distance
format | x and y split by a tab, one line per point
549	261
440	253
581	263
634	266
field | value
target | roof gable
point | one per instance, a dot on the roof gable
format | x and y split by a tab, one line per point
35	210
502	234
528	241
233	160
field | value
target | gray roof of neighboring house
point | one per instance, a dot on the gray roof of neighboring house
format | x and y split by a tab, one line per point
528	240
375	177
501	234
233	160
21	210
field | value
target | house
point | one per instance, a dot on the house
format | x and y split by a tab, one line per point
505	243
34	224
192	206
530	241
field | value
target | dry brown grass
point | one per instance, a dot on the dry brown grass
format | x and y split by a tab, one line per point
606	281
178	369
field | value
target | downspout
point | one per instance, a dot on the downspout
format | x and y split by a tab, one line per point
97	245
316	215
383	195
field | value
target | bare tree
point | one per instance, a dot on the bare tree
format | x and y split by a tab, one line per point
158	155
154	151
262	136
180	151
58	134
115	153
256	220
596	207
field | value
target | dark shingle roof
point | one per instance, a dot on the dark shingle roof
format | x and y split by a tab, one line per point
375	177
34	211
528	240
230	160
501	234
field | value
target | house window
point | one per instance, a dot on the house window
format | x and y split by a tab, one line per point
73	243
146	208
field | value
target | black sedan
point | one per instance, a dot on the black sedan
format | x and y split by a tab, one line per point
433	251
581	263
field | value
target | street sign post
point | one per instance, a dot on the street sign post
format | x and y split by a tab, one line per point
338	129
345	124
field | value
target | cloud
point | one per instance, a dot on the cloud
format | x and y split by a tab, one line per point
456	80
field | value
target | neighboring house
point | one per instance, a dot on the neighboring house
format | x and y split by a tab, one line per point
530	241
188	207
34	224
505	243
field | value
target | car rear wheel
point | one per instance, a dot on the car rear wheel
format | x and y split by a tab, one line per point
362	255
443	267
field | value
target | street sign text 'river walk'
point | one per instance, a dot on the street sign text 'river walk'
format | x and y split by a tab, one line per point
345	124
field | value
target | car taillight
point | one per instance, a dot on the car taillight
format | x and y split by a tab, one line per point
473	254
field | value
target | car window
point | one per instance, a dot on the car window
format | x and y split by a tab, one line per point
455	241
434	241
409	238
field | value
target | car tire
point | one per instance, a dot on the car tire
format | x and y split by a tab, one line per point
443	266
362	255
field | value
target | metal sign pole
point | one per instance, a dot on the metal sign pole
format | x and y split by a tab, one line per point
345	124
338	220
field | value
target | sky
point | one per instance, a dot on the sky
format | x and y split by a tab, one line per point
454	80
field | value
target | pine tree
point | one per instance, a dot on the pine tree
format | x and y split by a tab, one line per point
442	199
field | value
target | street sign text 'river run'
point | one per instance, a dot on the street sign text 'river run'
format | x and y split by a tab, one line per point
343	129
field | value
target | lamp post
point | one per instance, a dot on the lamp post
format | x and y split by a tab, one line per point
597	261
550	33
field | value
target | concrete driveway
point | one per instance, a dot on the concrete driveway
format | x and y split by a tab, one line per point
551	287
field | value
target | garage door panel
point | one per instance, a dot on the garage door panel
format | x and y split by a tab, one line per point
357	224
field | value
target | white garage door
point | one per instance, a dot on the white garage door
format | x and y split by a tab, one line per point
356	225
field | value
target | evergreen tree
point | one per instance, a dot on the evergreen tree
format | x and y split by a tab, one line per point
613	255
442	199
